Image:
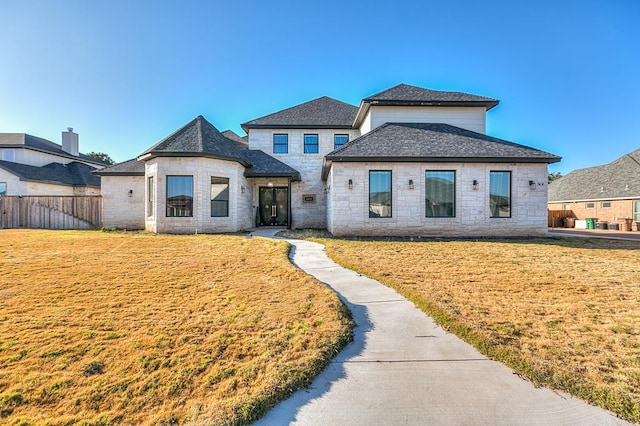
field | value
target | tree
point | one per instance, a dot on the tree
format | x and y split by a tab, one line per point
554	176
101	156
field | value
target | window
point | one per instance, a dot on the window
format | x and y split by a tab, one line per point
8	155
566	207
339	140
606	204
379	193
3	189
219	197
310	144
150	196
179	196
590	205
636	210
280	143
440	189
500	194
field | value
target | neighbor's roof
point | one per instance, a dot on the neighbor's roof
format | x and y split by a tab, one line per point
435	142
235	137
321	113
71	174
23	140
618	179
407	95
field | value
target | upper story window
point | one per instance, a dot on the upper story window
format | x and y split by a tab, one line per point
3	188
179	196
566	207
606	204
339	140
219	197
440	192
9	155
500	194
280	143
380	193
311	144
590	205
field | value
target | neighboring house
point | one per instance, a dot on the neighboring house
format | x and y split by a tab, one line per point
407	161
30	165
609	192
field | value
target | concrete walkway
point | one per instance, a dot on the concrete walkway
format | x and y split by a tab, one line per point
402	368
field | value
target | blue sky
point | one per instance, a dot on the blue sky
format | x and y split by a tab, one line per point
125	74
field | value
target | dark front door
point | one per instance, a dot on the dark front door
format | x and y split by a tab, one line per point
273	206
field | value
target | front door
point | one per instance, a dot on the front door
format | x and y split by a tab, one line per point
273	206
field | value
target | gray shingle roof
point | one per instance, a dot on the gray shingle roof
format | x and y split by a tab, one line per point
230	134
618	179
199	138
319	113
72	174
435	142
131	167
405	94
22	140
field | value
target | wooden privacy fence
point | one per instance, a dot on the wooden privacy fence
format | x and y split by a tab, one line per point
555	217
51	212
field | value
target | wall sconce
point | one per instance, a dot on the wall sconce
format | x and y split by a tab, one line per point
532	185
474	185
243	189
131	193
269	184
350	183
411	185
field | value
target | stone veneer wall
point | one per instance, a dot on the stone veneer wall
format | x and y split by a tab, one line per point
202	169
349	208
119	210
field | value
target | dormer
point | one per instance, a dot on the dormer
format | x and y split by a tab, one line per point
410	104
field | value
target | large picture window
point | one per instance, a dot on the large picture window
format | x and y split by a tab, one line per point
379	193
310	144
280	143
179	196
500	194
150	196
440	190
219	197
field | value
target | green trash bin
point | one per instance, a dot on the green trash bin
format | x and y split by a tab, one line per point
591	223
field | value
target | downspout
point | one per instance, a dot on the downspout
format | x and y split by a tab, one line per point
289	203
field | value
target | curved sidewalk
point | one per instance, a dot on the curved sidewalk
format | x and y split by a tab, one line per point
402	368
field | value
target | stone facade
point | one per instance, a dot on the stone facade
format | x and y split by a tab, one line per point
349	208
123	202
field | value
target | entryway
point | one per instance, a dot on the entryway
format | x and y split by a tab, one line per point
273	207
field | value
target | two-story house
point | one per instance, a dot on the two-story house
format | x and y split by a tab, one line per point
406	161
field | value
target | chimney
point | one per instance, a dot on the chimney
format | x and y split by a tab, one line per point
70	142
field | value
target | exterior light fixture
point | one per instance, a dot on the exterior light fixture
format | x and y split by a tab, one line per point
131	193
532	185
475	185
243	189
270	184
350	183
411	185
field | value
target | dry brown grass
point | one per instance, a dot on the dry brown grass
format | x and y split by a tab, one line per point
562	312
101	328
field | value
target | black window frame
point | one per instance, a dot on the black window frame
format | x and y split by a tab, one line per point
280	144
219	200
373	215
335	144
307	146
187	210
150	195
510	173
426	189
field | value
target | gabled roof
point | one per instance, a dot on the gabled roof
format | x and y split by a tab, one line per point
407	95
230	134
131	167
618	179
435	142
264	165
197	138
321	113
71	174
23	140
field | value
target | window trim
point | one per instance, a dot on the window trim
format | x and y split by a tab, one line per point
454	193
390	194
335	146
167	196
150	195
281	144
311	145
226	181
593	205
491	216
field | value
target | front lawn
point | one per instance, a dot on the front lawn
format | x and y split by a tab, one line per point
110	328
564	313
